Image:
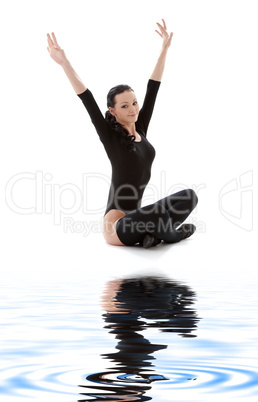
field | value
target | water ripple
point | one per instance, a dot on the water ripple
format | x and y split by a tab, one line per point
142	304
206	378
34	380
37	381
152	323
227	378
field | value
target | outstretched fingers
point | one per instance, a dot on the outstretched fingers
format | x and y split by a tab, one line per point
54	40
158	33
164	24
163	33
50	42
170	38
163	30
162	27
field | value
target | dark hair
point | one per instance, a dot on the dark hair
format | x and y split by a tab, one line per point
126	140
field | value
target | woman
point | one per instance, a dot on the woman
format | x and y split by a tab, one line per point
123	134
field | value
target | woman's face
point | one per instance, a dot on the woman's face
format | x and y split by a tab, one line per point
126	108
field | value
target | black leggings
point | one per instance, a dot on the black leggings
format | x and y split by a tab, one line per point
160	219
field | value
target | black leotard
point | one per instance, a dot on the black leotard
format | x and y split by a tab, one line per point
130	169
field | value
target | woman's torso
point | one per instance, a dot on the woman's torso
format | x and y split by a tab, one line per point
131	170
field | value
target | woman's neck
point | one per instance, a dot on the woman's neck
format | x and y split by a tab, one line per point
130	128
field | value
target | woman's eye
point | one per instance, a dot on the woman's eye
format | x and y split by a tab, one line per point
125	106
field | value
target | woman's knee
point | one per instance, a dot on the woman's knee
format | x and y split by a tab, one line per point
193	196
188	197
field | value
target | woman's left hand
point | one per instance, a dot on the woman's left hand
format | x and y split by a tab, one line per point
167	38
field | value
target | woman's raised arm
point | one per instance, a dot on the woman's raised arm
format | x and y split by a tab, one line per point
160	65
58	55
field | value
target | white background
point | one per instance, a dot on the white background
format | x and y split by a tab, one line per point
204	129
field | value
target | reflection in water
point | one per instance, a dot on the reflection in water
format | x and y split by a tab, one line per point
133	305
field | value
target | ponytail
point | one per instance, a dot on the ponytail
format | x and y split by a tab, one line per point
126	140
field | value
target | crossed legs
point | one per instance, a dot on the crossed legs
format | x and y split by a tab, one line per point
161	219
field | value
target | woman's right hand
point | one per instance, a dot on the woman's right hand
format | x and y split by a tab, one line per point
55	51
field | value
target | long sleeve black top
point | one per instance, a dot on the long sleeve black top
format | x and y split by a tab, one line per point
131	170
